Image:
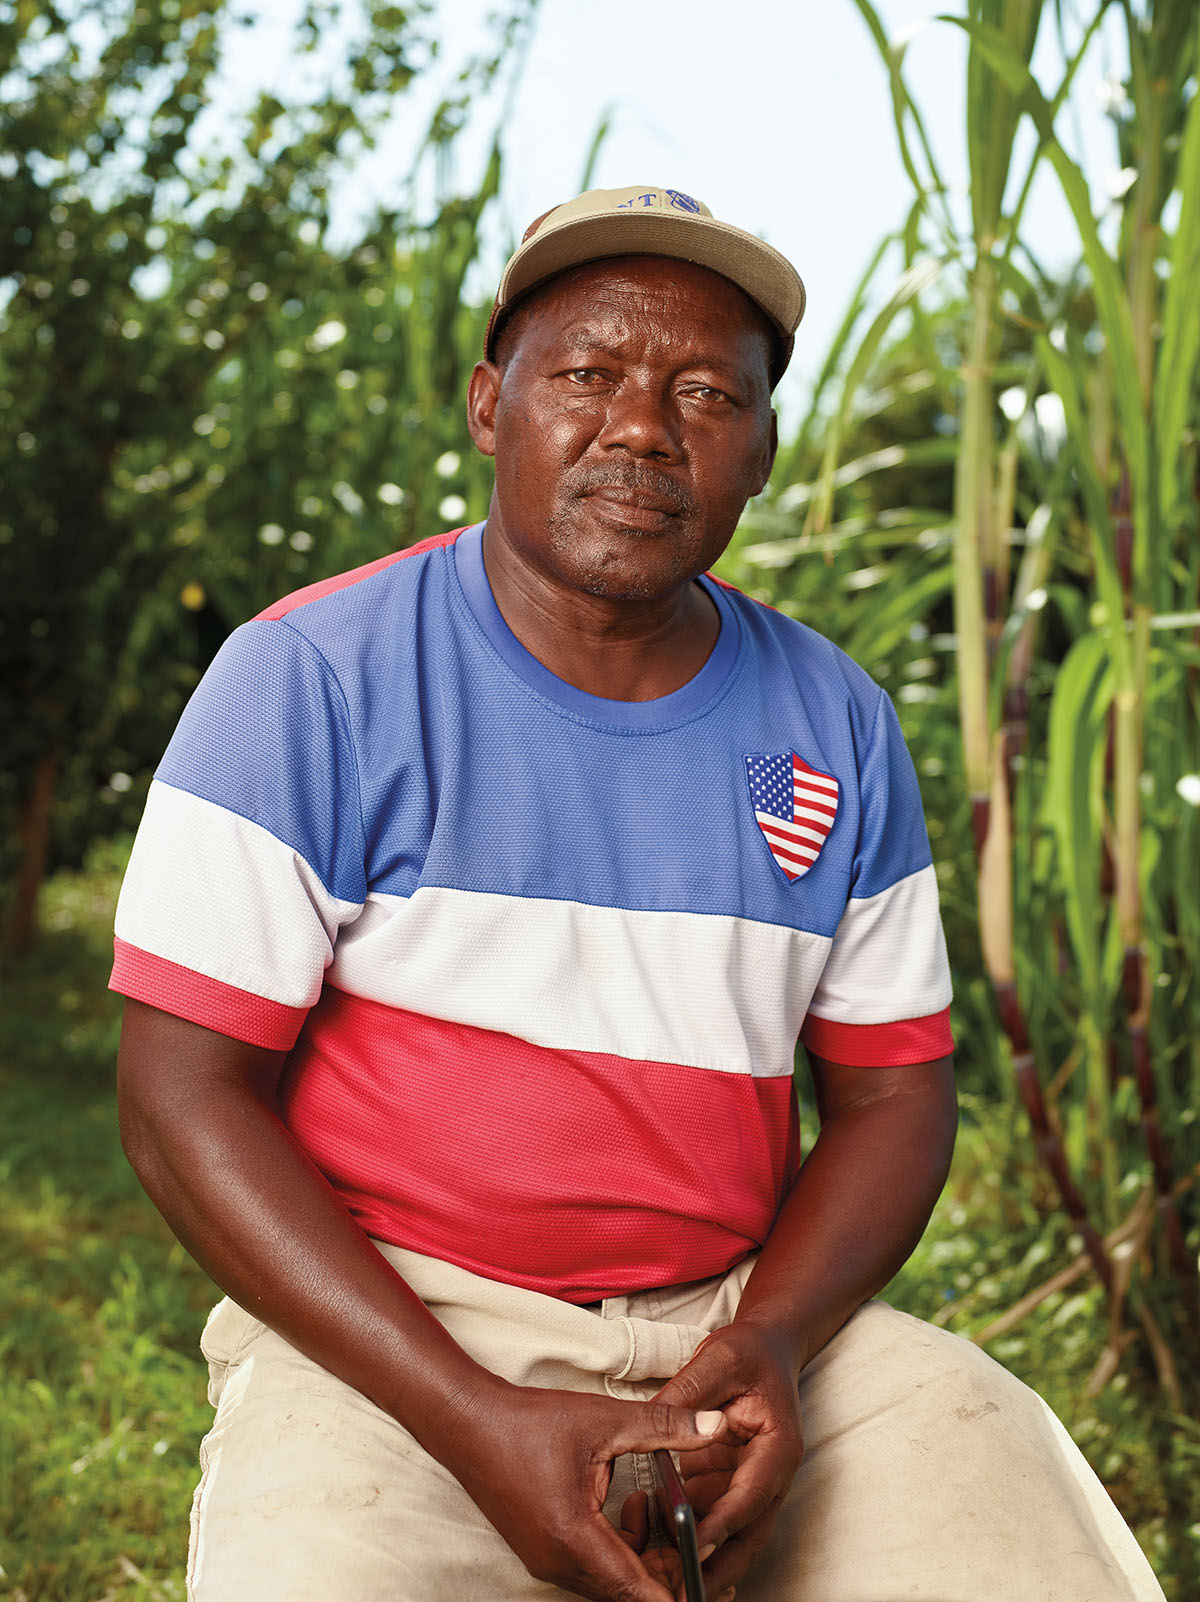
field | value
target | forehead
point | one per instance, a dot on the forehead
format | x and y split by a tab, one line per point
650	299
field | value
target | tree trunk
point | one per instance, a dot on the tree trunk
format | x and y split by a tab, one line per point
33	835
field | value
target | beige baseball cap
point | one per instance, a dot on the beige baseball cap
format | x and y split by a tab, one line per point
640	221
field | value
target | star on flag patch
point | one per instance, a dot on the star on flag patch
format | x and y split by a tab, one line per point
794	806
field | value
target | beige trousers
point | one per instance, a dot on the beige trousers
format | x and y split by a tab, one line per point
930	1473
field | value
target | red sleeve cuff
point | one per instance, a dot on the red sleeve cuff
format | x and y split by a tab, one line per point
224	1008
880	1045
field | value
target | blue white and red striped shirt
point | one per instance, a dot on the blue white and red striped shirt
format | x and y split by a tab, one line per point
540	959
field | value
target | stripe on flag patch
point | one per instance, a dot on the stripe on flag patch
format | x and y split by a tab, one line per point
794	806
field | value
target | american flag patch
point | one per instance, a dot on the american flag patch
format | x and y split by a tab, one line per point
794	806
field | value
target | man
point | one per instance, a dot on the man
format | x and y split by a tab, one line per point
480	899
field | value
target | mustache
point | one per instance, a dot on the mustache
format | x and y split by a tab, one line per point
632	476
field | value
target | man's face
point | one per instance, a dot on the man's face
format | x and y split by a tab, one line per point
629	415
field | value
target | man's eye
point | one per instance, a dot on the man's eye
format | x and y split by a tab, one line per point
707	392
583	375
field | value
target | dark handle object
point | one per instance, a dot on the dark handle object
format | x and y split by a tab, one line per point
683	1526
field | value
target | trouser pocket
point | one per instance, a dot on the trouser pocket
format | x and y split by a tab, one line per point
227	1334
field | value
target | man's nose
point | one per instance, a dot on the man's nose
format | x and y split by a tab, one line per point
644	421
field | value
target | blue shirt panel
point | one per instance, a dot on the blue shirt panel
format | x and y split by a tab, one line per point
396	734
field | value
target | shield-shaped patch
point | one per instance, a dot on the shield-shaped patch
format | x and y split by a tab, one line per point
794	806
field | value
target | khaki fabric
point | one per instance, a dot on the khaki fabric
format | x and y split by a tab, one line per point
930	1473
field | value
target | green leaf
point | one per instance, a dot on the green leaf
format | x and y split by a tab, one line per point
917	278
1179	352
1072	807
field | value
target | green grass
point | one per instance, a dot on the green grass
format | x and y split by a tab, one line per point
102	1389
102	1393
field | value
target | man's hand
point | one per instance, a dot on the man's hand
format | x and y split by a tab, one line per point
737	1482
539	1463
856	1210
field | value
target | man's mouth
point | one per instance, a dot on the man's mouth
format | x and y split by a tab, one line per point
634	503
644	500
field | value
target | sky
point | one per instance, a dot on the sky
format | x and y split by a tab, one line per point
776	113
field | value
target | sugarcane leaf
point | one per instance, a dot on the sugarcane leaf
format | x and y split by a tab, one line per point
1175	378
1060	96
994	109
1063	375
1072	806
814	417
916	279
903	108
904	598
1112	303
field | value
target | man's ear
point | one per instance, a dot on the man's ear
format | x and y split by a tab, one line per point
483	392
768	458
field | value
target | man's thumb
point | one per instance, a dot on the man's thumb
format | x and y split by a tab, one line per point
649	1425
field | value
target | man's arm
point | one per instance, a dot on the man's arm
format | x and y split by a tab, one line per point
857	1209
201	1127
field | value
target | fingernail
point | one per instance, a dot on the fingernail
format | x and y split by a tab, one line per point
706	1552
709	1423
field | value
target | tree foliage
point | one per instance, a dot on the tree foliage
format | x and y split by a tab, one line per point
210	391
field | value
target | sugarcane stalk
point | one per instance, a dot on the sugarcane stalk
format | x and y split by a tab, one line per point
996	934
973	504
1135	557
1047	1140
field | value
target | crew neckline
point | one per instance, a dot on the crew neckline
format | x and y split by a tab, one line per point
682	703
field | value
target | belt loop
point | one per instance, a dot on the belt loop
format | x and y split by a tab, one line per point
631	1351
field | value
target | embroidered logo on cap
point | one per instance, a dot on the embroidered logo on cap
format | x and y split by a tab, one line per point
659	199
794	806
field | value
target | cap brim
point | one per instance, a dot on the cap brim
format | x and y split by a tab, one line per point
761	272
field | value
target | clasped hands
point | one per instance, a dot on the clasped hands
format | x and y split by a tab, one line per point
539	1464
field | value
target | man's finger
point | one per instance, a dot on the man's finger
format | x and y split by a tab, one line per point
635	1520
646	1426
730	1563
607	1567
704	1490
705	1381
761	1479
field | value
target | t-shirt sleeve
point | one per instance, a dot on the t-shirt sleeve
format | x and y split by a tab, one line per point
884	995
250	854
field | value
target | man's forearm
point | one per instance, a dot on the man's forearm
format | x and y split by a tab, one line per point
859	1204
249	1205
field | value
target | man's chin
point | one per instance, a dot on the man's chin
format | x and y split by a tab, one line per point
624	564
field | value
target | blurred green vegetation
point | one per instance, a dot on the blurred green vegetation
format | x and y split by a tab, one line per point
209	395
103	1396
